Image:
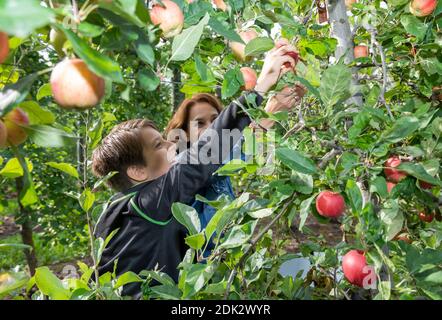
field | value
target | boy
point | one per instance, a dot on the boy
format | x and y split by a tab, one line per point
149	183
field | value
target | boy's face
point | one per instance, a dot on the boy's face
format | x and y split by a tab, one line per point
159	155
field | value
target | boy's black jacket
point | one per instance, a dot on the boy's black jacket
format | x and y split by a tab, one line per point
148	234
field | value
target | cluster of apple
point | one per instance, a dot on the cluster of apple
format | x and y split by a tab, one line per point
12	125
394	176
419	8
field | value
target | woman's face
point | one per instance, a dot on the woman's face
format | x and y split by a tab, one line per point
201	116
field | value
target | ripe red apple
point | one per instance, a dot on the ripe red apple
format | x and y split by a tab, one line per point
238	49
390	186
250	78
220	4
425	185
75	86
426	217
394	175
360	51
4	47
3	135
295	55
353	264
330	204
349	3
14	122
422	8
57	39
170	18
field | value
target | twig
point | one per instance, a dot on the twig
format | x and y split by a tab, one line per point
253	242
380	48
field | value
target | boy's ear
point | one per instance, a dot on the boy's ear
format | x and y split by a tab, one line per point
137	173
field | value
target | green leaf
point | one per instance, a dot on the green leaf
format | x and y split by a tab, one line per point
87	200
419	172
148	80
304	210
224	30
184	44
37	115
167	292
65	167
44	91
126	278
335	85
239	235
47	136
99	63
13	94
295	160
90	30
145	51
431	65
392	218
258	46
196	241
187	216
414	26
302	183
379	185
50	285
12	169
402	128
354	195
261	213
233	80
201	67
22	17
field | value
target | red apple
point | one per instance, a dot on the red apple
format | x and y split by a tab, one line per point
14	122
295	55
426	217
349	3
360	51
75	86
390	186
3	135
330	204
238	48
4	47
250	78
220	4
169	17
422	8
394	175
353	265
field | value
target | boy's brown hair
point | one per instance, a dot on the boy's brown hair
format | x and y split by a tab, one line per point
180	119
121	148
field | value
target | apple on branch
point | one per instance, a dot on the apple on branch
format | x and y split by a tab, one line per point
250	78
355	267
168	16
238	48
4	47
73	85
330	204
422	8
360	51
394	175
15	121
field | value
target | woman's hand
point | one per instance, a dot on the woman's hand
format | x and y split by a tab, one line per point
274	67
286	99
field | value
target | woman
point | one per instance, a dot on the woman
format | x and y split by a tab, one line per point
195	115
